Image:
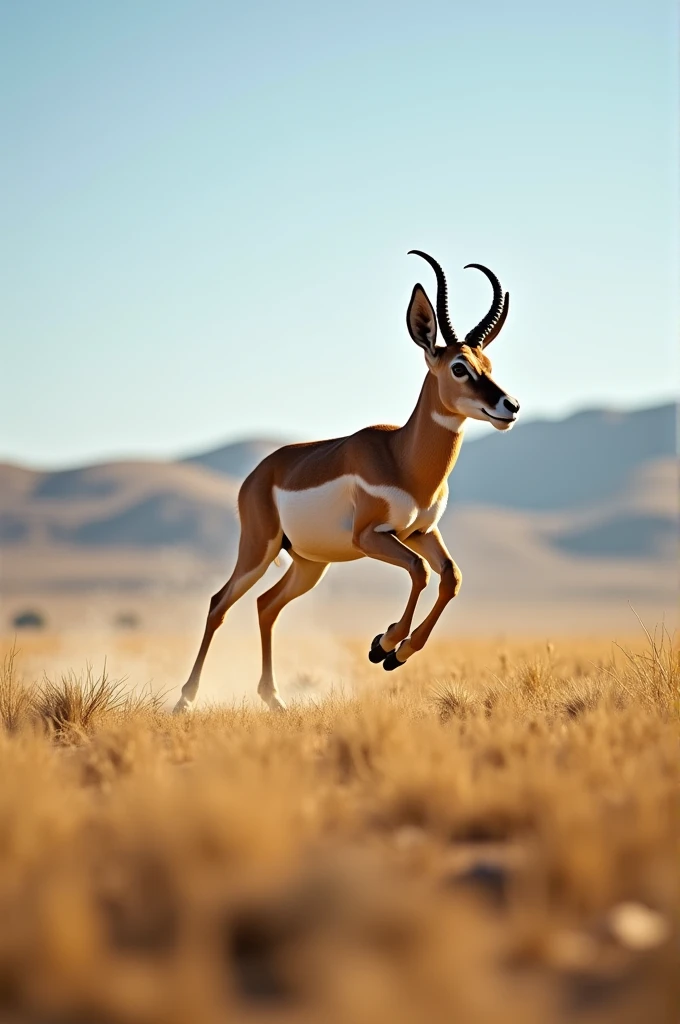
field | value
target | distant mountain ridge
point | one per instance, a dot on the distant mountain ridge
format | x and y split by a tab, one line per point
558	464
542	464
597	487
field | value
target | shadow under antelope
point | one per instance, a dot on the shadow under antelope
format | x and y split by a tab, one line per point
378	493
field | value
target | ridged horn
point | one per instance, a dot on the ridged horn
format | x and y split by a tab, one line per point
487	328
445	325
499	323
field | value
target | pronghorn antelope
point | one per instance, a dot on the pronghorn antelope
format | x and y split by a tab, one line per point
378	493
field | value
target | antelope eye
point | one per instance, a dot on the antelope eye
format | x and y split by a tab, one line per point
459	370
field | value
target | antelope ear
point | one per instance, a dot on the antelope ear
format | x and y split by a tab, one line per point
421	321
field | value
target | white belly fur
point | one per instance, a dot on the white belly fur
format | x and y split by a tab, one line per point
319	521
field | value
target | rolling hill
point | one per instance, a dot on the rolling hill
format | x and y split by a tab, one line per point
586	506
543	464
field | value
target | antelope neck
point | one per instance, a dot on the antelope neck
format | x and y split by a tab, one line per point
426	450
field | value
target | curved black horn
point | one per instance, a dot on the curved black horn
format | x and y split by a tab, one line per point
494	319
445	326
499	323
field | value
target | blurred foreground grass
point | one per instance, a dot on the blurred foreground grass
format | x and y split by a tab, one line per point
492	837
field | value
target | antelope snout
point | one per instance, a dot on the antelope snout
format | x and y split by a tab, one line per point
504	413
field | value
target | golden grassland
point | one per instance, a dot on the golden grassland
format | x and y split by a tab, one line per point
490	834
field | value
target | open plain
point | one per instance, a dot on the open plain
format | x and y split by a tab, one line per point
491	834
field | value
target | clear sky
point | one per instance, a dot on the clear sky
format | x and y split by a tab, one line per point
206	209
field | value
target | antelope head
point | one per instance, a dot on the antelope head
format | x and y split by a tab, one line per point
462	368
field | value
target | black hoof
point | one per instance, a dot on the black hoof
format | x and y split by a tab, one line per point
376	653
392	661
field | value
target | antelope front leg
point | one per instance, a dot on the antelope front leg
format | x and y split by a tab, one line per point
432	547
388	548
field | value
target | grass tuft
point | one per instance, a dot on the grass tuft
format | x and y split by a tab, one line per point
654	672
79	702
16	700
452	699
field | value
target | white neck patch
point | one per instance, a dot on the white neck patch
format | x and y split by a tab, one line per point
452	423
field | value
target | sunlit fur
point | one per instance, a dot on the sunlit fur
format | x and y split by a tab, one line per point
378	493
470	397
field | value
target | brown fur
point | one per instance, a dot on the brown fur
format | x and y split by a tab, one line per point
416	458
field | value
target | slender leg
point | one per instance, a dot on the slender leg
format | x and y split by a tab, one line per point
302	576
254	557
432	547
388	548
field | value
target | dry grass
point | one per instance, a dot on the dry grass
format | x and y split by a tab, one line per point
489	838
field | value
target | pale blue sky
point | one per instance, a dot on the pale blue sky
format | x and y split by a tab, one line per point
206	209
